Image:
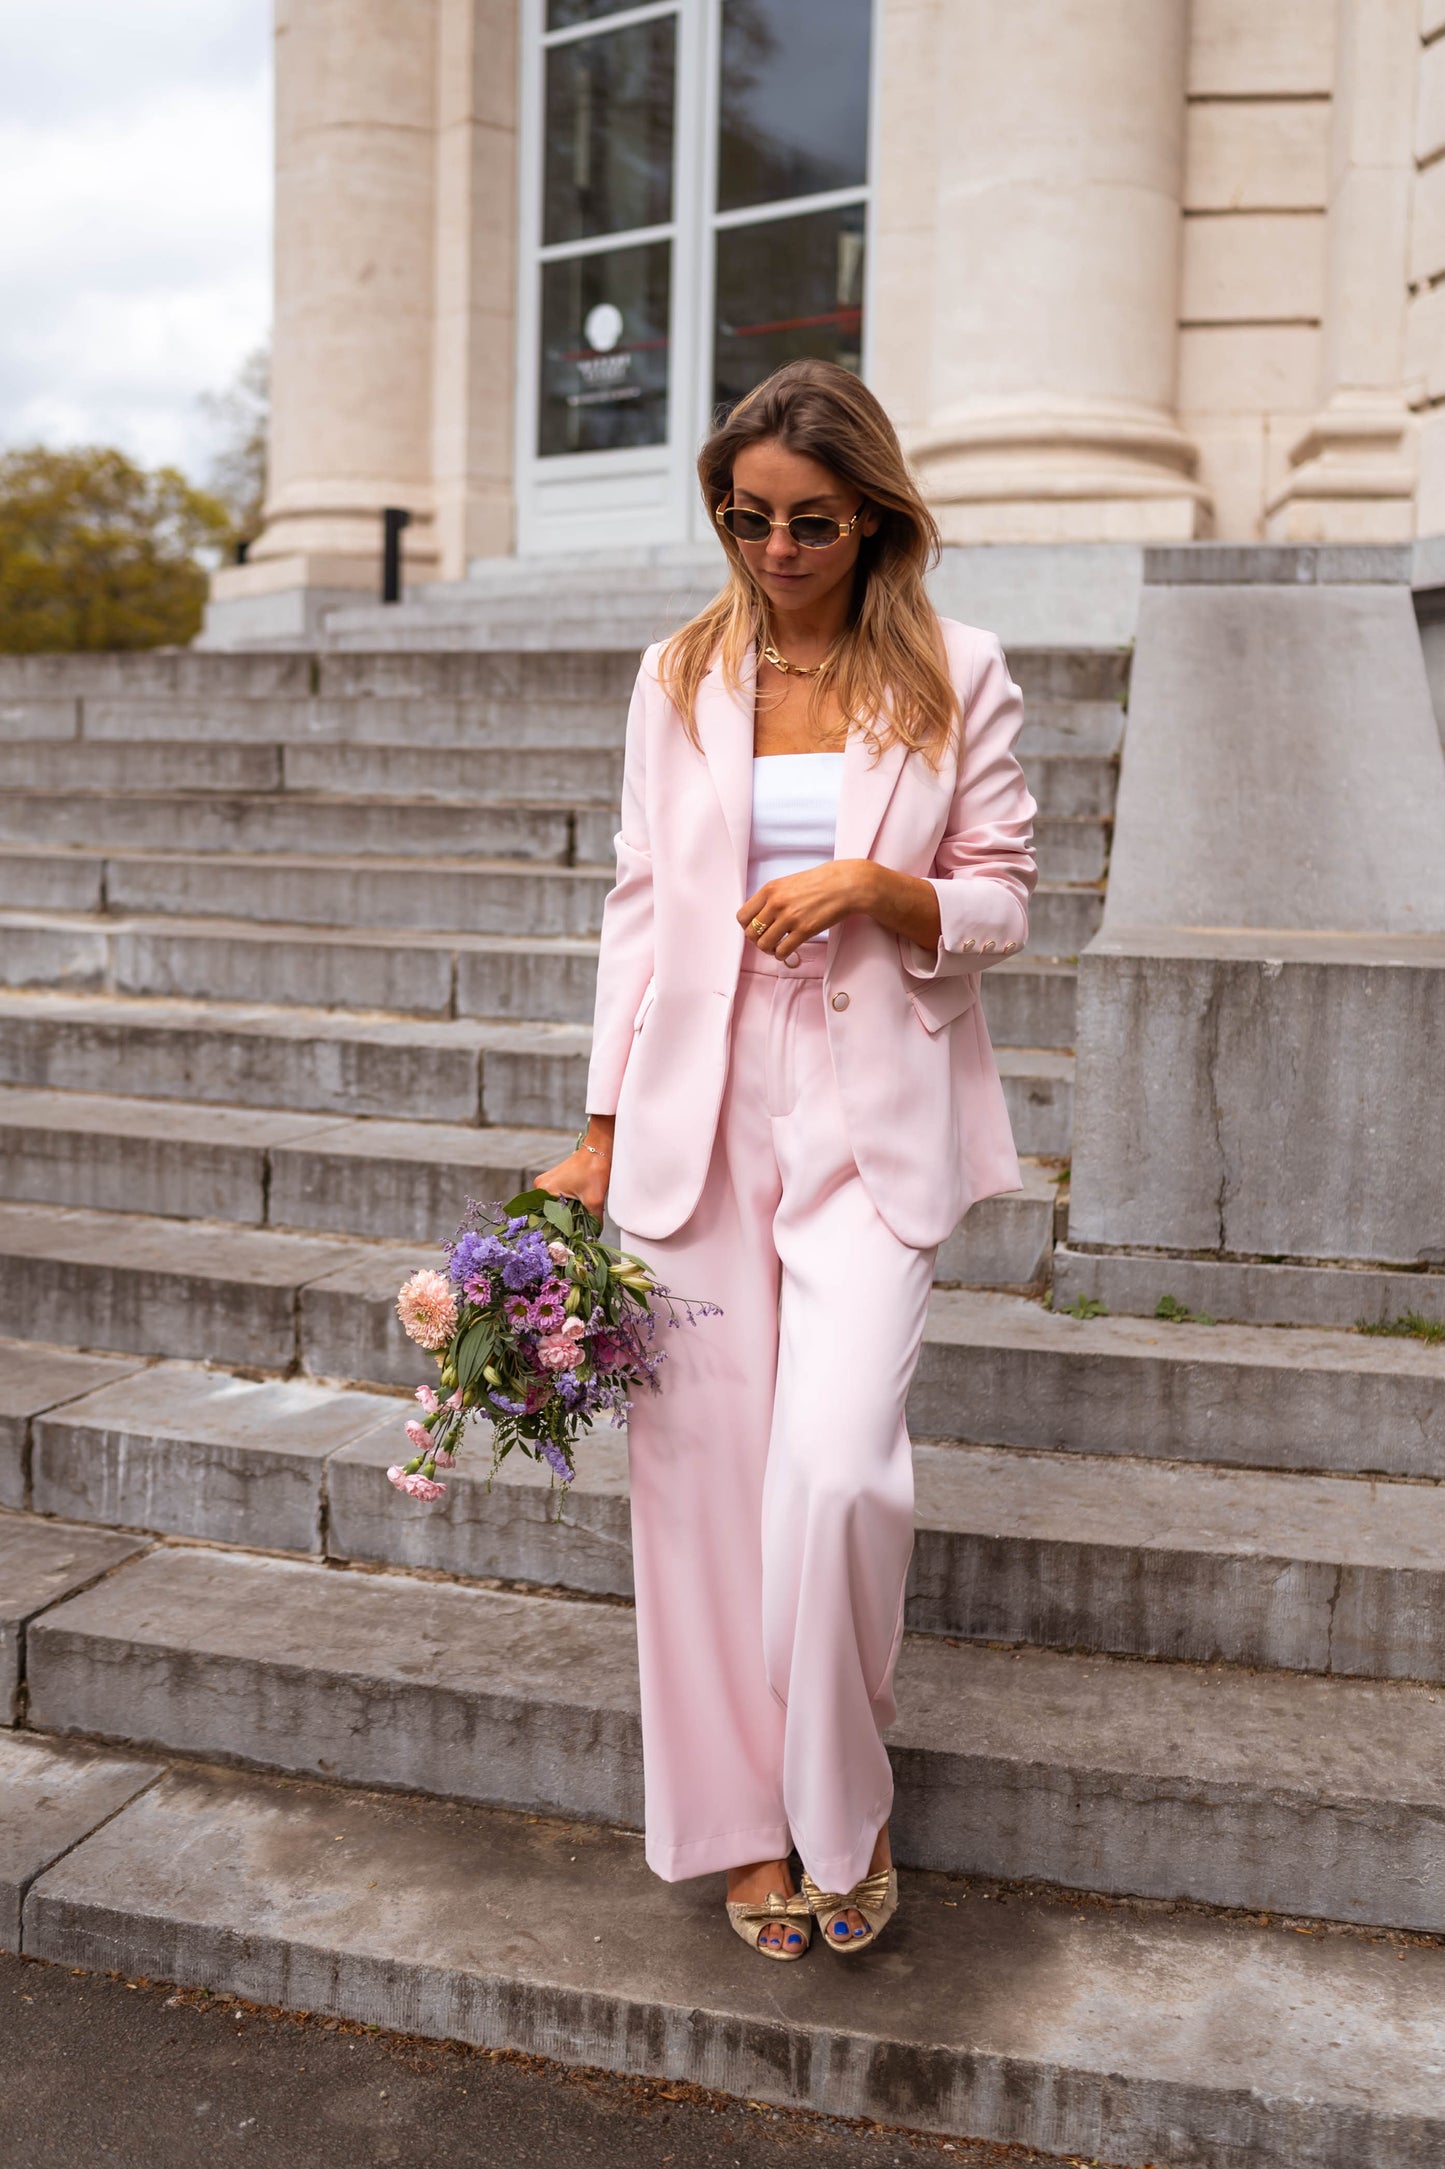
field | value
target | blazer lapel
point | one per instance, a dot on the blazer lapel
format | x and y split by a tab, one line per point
725	728
863	794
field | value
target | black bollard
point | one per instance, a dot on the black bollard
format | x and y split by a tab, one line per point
393	520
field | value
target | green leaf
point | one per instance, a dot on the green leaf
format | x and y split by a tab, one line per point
559	1214
474	1351
527	1201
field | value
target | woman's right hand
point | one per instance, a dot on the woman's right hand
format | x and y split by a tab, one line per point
584	1174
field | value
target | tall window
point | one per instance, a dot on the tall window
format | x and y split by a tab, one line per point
792	173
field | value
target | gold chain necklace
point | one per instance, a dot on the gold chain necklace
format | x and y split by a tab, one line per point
794	670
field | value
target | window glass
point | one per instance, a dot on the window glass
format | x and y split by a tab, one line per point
562	14
787	287
605	350
794	99
608	160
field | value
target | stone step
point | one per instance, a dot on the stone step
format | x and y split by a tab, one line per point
1260	1790
1028	1000
317	1061
1248	1291
1000	1370
97	767
42	1562
994	1369
1070	848
357	895
396	1179
1079	1552
1128	2033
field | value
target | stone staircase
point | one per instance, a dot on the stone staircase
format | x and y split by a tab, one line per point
295	954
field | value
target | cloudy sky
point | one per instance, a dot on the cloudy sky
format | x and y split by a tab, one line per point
135	175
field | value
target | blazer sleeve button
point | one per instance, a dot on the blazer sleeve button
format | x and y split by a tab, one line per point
840	1001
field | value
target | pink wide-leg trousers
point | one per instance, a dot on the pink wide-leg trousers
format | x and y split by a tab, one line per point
772	1476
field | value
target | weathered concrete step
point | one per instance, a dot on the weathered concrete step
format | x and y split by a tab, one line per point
588	774
1247	1292
400	1180
140	1286
314	1060
1073	783
42	1562
1173	1560
35	1376
1116	2033
53	1794
1261	1790
320	825
357	897
97	766
393	1179
567	830
496	896
416	973
319	1062
1029	1001
998	1370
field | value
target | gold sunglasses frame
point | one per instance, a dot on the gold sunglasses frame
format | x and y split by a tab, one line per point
845	527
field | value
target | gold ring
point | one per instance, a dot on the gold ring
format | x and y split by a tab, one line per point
759	926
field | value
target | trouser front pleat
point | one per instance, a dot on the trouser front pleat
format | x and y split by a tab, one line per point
772	1477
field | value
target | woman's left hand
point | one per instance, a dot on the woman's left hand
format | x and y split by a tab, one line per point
785	913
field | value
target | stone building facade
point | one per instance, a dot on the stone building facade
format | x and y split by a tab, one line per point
1123	270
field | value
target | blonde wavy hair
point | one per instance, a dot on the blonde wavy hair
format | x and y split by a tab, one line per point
888	672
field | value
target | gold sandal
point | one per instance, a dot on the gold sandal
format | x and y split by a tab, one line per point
875	1897
751	1917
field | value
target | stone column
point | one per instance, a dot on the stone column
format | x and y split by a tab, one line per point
1352	471
1055	169
352	353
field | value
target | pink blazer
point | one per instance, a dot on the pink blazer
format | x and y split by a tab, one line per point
926	1115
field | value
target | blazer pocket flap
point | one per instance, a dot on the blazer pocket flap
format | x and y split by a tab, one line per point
939	1001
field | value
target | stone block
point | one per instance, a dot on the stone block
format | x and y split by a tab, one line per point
1258	154
99	767
522	1529
42	1562
182	1451
317	967
1038	1089
1005	1241
34	1377
1070	847
1244	1291
1237	50
348	1323
1280	1792
1062	919
1148	2035
52	1796
320	1061
1256	267
1072	783
61	954
580	774
26	721
1241	1095
1029	1002
49	881
403	1181
158	1287
360	894
270	821
996	1368
553	981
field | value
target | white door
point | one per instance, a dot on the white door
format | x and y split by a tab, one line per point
694	212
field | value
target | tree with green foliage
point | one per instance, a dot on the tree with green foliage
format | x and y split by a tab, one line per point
97	552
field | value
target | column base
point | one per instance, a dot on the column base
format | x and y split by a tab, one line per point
1066	475
1352	479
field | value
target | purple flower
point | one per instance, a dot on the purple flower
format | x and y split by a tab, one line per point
471	1255
511	1408
555	1459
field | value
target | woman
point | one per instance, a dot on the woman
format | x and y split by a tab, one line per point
825	837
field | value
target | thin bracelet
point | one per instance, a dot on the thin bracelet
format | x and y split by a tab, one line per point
580	1146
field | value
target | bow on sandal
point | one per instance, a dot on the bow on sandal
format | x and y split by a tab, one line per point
875	1897
751	1917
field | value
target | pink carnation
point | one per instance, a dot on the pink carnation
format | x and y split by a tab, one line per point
559	1252
428	1399
443	1459
427	1310
561	1351
419	1436
413	1483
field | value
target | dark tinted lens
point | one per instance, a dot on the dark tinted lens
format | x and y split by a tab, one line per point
813	530
747	526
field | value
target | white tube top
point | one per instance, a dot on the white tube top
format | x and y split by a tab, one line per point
795	815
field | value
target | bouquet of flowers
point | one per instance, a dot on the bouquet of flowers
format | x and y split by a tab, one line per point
537	1325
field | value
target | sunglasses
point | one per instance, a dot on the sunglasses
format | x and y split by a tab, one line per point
810	530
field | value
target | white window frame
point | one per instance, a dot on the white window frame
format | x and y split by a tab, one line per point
645	497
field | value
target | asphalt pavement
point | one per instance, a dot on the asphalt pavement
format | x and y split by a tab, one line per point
99	2070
